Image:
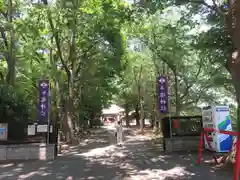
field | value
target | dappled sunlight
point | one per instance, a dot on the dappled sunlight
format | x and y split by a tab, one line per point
17	170
116	160
7	174
159	158
132	157
111	156
158	174
103	151
42	171
24	170
89	141
137	138
29	175
6	165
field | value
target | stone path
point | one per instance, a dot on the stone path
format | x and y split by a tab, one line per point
99	159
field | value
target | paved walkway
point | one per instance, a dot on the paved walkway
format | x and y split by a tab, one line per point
99	159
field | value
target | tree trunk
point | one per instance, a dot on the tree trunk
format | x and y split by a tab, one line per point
10	78
137	78
142	118
69	69
127	114
152	119
137	115
91	121
177	98
69	110
157	116
154	104
233	63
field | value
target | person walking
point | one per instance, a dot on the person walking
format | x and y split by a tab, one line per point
119	133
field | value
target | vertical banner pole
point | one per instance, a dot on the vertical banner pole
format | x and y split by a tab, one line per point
48	129
169	107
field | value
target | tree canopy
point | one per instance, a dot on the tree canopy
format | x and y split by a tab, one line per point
98	52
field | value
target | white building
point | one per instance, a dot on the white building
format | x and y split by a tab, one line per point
113	113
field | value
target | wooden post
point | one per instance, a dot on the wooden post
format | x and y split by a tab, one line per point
200	148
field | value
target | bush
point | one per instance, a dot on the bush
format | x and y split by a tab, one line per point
14	111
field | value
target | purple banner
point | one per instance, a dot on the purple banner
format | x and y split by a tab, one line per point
163	93
43	106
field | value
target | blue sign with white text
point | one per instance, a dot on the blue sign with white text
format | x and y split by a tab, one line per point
43	106
162	82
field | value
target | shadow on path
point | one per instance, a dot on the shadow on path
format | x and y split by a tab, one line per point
98	158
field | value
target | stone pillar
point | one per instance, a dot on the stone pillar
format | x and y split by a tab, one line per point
117	117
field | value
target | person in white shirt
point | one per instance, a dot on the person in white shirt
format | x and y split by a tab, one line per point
119	133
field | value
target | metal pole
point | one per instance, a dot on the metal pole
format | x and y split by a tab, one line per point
48	126
169	106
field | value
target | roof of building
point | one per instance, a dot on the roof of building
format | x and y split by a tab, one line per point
113	109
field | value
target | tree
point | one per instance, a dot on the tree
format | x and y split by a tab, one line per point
188	68
77	45
219	15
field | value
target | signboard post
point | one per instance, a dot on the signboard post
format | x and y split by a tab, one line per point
44	104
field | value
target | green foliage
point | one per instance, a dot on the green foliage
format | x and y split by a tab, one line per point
193	59
83	48
14	111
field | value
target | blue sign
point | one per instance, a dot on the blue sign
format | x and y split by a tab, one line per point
43	105
2	131
162	82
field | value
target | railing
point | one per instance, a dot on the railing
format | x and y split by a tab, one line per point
237	158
